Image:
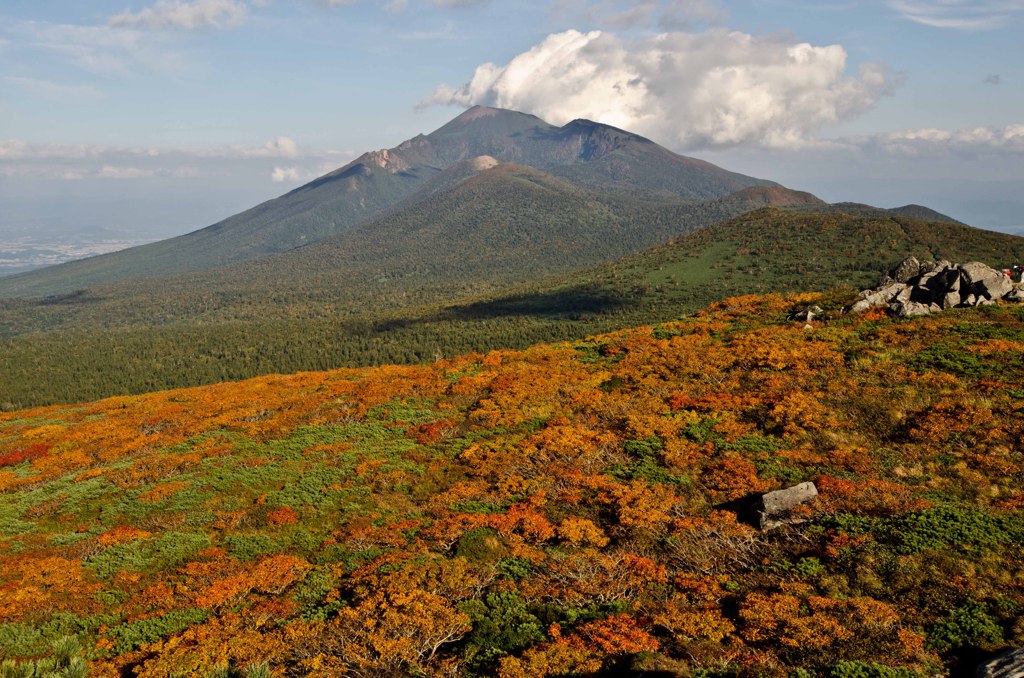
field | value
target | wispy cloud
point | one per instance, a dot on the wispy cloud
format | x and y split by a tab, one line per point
103	50
971	15
627	14
974	141
178	14
113	172
993	79
81	161
55	91
688	90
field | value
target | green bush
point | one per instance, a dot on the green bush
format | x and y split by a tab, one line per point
127	637
862	670
970	625
502	625
968	529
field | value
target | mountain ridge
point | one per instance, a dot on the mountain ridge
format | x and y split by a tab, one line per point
583	152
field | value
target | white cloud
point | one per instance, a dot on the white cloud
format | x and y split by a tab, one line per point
112	172
972	142
973	15
283	174
283	146
688	90
222	14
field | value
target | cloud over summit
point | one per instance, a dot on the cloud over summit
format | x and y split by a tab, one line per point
689	90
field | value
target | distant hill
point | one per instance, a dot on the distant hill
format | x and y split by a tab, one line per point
913	211
584	153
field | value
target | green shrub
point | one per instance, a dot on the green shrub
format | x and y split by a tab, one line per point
127	637
250	546
968	529
502	625
970	625
862	670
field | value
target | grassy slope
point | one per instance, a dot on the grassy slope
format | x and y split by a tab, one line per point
567	509
313	326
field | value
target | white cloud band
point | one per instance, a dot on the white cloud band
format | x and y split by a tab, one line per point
688	90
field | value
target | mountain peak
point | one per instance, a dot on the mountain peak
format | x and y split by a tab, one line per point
476	112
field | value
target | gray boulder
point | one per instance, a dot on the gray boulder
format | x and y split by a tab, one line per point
910	309
906	270
777	507
870	299
984	281
1009	664
1016	294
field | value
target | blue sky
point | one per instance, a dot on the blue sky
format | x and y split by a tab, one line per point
161	116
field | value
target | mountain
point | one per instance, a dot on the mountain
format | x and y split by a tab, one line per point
584	153
477	227
280	315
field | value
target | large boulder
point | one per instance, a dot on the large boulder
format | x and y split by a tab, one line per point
910	309
906	270
984	281
1009	664
777	507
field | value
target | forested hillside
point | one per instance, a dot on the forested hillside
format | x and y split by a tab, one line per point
576	508
327	306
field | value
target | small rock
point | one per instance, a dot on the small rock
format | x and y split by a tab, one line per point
1009	664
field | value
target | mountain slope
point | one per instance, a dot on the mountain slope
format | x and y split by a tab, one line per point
474	228
775	250
583	152
193	335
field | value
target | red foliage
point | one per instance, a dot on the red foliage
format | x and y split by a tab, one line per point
15	457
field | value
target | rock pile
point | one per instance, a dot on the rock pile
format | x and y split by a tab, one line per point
918	288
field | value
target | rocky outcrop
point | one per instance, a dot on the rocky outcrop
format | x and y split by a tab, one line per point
1009	664
916	288
777	507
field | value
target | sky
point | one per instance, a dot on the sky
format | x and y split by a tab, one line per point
151	118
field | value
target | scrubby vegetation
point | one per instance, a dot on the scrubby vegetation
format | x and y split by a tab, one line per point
574	508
